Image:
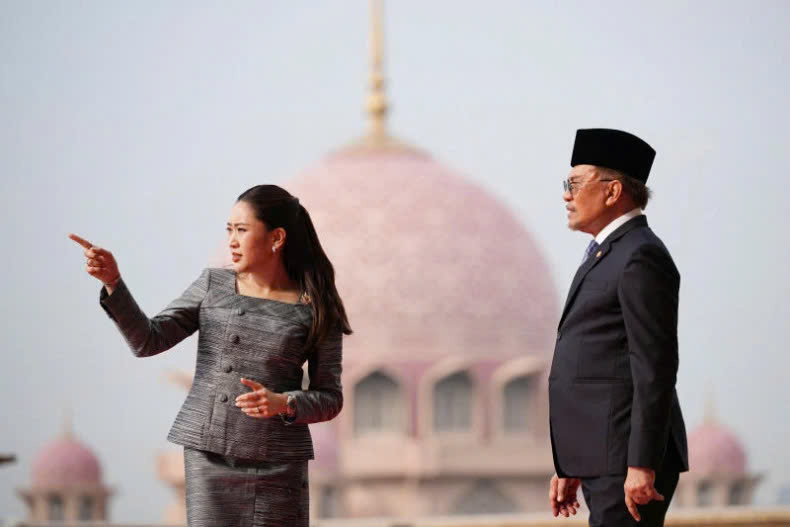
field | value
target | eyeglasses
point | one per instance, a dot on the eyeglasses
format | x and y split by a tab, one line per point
574	187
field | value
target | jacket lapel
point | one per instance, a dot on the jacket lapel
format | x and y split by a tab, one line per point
593	260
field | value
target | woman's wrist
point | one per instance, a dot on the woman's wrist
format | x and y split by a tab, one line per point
110	286
288	408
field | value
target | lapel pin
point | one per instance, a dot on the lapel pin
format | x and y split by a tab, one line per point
598	254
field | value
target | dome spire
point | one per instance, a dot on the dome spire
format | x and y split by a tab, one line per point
68	424
377	138
709	415
377	103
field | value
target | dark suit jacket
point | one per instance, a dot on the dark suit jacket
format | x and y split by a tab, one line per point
612	393
239	336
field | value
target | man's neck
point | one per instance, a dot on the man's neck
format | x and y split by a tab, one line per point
616	223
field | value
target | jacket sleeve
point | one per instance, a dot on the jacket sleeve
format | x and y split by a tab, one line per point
323	399
147	337
648	293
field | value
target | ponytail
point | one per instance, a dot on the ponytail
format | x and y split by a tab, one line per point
318	283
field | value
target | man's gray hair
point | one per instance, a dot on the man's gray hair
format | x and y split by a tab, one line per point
638	191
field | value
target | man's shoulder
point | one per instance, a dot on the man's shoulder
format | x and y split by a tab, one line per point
642	237
642	243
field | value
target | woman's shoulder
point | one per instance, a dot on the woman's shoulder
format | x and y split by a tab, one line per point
219	278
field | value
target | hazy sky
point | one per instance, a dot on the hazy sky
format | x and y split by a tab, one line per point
137	123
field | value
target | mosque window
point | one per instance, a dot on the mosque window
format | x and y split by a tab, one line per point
86	508
737	494
517	403
56	512
705	494
452	403
377	404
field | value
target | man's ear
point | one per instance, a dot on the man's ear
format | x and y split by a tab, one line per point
613	192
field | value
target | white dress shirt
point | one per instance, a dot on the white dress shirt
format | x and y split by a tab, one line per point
615	224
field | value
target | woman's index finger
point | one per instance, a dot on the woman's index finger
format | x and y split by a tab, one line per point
82	241
251	384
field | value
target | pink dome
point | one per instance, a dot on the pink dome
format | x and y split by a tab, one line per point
429	264
714	449
66	462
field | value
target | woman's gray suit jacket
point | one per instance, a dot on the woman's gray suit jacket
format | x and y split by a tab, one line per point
240	336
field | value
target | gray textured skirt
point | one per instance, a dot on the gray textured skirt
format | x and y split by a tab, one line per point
224	491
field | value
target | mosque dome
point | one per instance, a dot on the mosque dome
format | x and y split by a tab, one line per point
715	449
425	259
66	462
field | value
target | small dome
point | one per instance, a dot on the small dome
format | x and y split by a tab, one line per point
66	462
715	449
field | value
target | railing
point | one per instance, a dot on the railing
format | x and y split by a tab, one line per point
724	517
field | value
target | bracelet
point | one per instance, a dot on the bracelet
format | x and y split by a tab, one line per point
114	282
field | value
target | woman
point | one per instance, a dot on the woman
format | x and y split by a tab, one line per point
244	423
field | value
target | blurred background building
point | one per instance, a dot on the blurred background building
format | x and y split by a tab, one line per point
454	312
719	474
66	483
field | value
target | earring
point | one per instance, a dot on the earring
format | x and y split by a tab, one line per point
274	249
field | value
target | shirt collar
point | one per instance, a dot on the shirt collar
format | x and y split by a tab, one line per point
616	223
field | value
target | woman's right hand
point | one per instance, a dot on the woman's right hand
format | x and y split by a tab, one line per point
100	263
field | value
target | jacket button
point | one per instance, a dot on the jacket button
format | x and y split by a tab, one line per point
234	339
228	368
223	398
240	312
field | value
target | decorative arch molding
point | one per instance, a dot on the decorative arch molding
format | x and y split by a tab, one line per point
402	402
426	399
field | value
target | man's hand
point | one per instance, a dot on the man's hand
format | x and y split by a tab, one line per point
639	489
562	495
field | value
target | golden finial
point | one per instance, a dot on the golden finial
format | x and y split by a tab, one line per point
709	416
377	139
68	424
377	104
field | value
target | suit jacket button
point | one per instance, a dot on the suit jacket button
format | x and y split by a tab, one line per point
234	339
228	368
223	398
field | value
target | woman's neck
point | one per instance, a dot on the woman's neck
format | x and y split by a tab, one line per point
271	282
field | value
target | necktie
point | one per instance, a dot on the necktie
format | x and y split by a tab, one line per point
590	249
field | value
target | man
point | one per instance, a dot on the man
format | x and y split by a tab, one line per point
616	426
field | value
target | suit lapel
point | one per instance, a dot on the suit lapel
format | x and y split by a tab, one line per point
599	255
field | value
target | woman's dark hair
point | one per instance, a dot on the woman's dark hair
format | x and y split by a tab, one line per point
305	260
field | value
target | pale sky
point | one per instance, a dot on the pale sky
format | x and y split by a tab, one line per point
136	124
